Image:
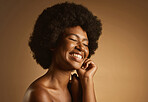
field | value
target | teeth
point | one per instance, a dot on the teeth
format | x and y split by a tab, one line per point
77	55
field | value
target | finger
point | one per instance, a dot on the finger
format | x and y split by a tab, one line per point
84	63
87	63
90	66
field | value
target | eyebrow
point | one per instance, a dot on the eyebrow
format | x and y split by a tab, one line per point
85	39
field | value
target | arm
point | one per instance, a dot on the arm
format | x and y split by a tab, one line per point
88	90
86	77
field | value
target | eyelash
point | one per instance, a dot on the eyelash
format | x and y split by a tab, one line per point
76	40
72	39
85	45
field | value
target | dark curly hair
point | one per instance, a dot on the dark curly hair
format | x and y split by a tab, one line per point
53	21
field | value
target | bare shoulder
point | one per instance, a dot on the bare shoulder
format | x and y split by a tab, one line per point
37	93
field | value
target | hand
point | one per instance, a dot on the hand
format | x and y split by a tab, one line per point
87	70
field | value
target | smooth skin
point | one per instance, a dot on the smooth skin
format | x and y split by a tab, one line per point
53	86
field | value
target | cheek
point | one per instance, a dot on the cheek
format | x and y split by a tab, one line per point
87	52
68	45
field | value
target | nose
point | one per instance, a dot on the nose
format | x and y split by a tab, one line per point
79	46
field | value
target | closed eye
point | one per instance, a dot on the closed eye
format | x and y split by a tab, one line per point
85	45
72	39
76	41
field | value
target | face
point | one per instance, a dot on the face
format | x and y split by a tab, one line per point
72	49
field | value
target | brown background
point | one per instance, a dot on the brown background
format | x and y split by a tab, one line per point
122	55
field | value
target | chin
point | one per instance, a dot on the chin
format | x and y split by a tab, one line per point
76	68
75	65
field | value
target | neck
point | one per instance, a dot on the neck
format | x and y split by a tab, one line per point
59	78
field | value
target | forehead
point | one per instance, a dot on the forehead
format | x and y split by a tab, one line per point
76	30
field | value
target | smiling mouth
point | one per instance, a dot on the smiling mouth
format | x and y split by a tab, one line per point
76	57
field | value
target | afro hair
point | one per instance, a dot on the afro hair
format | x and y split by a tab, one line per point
53	21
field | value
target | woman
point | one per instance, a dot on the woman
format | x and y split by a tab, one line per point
64	38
